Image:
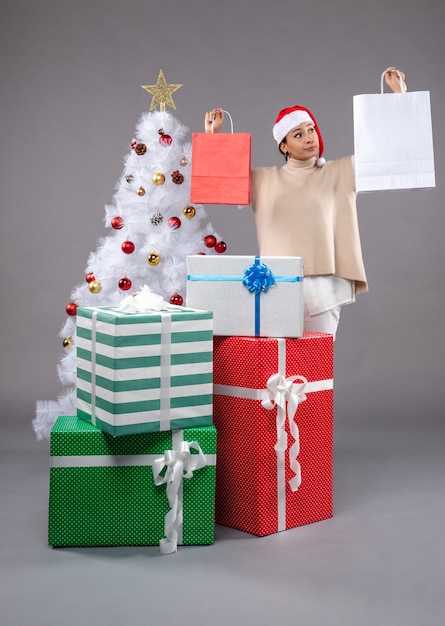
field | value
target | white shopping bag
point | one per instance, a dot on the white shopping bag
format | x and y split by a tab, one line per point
393	141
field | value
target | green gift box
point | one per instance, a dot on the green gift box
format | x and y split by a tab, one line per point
131	490
144	372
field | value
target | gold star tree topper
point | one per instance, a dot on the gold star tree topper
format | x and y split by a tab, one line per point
162	92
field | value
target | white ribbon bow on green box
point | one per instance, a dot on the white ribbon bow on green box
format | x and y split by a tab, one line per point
179	464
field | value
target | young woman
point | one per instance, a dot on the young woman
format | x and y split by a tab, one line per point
307	208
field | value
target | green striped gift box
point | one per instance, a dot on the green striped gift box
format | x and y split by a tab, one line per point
102	491
144	372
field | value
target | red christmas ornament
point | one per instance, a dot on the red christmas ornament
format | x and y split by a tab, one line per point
127	247
71	308
117	223
174	222
90	277
210	241
220	247
176	299
124	284
165	140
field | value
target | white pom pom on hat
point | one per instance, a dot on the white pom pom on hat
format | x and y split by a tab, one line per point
289	118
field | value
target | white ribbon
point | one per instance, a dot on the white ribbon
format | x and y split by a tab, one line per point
143	301
93	367
165	371
179	464
284	392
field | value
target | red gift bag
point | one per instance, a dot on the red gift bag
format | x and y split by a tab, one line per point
221	168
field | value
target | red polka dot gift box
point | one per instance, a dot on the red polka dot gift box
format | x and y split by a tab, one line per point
273	410
143	489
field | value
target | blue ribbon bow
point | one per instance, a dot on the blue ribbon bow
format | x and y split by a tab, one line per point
258	277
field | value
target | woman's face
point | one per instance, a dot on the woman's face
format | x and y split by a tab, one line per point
301	142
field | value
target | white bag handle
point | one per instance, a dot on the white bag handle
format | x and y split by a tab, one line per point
230	118
382	82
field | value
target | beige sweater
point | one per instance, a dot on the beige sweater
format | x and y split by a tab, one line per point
303	210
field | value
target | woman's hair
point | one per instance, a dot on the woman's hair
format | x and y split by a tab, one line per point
284	154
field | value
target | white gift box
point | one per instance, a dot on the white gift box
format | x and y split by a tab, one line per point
249	295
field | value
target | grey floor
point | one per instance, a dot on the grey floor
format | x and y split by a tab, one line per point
380	561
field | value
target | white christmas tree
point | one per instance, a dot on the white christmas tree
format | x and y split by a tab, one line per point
152	228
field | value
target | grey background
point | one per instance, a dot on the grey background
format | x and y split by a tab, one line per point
70	99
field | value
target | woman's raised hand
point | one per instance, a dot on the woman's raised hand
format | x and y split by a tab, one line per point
395	79
213	120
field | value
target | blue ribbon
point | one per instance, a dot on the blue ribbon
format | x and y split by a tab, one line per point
257	278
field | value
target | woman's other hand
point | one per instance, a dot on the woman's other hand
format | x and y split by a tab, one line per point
395	79
213	120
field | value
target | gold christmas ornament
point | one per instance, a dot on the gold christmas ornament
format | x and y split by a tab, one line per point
162	92
153	259
67	342
189	211
184	161
95	286
141	191
158	178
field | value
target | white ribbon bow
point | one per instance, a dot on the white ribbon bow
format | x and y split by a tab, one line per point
284	391
143	301
179	464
